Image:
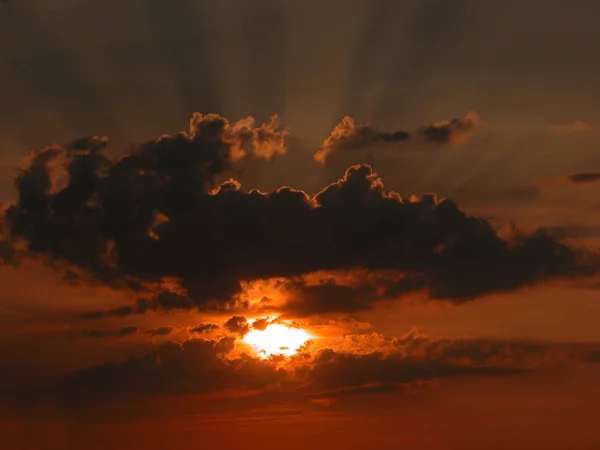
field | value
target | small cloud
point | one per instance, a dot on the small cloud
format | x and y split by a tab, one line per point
237	325
123	311
348	135
576	127
98	334
260	324
159	331
204	328
584	177
454	130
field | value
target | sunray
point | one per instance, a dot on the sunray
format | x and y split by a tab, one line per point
370	57
182	35
54	73
430	29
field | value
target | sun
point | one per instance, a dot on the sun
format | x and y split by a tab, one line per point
276	339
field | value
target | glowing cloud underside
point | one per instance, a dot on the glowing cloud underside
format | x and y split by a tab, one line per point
276	339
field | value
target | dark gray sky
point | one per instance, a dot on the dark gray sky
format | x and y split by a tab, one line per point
137	68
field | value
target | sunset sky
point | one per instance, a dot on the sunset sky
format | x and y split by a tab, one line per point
299	224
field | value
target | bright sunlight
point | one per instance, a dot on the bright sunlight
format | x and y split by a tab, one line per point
277	339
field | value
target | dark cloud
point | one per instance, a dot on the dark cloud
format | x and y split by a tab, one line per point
123	311
584	177
347	135
200	366
204	328
237	325
261	324
353	291
195	366
163	331
504	353
593	356
326	296
171	300
360	290
121	332
84	144
445	131
154	220
8	255
345	373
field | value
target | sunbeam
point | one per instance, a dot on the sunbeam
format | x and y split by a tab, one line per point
337	224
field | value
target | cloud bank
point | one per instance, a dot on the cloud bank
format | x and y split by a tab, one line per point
202	366
156	220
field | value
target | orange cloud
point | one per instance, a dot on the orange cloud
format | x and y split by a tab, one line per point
348	136
575	127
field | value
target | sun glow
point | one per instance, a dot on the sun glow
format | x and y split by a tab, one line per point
276	339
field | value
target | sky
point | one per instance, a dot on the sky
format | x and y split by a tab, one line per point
318	224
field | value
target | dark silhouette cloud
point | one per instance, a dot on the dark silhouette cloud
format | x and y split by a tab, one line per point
155	221
584	177
171	300
347	135
593	356
92	143
122	332
193	367
8	255
163	331
445	131
139	308
345	373
204	328
261	324
360	291
237	325
326	296
199	366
